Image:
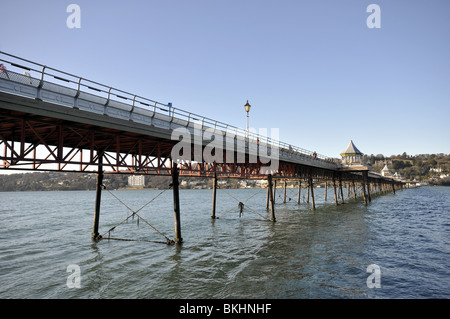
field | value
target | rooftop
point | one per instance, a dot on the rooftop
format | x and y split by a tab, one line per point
351	150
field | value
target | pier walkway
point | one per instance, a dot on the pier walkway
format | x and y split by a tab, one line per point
51	120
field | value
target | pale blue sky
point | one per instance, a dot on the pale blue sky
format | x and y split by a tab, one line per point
311	68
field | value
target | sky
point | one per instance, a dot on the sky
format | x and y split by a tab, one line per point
313	68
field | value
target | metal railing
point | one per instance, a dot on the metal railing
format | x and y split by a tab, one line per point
43	77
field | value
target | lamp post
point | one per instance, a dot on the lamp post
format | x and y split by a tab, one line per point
247	107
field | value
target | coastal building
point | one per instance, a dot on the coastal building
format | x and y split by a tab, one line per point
386	171
351	155
136	181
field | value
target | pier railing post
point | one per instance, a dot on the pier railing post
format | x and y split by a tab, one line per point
176	203
98	198
271	194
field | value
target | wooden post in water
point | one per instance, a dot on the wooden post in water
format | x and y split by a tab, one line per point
354	189
268	196
299	189
335	195
312	193
365	173
274	188
284	195
307	194
176	203
271	194
340	190
326	188
368	187
98	197
213	216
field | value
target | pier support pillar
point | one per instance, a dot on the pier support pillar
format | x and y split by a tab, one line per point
213	216
98	198
335	195
274	187
176	203
311	186
308	185
271	195
340	190
326	189
364	182
299	189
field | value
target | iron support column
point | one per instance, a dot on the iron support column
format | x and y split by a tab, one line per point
335	195
98	198
271	195
213	216
365	175
340	190
312	193
176	203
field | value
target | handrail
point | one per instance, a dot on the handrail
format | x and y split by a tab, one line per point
79	82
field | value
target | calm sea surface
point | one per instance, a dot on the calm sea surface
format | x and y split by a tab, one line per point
305	254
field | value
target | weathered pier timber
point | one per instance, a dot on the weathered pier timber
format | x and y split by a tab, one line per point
51	120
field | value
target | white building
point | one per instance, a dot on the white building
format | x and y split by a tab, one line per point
136	180
351	155
386	171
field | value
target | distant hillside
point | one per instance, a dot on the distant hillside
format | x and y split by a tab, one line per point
432	168
61	181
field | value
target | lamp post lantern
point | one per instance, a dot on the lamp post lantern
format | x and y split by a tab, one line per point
247	107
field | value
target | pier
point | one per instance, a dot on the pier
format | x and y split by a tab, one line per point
51	120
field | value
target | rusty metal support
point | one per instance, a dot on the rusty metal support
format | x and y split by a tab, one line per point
213	216
176	203
98	198
364	182
340	190
311	186
271	195
335	194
